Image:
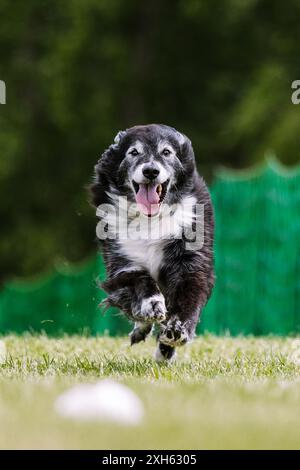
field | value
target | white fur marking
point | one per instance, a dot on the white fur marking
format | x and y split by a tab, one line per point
138	146
148	254
155	298
138	176
129	269
146	249
163	174
163	144
142	239
119	136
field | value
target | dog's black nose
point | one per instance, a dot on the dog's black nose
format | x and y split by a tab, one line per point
150	170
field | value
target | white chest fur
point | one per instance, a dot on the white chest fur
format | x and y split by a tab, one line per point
147	254
147	238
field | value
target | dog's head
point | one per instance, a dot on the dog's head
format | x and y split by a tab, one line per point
149	164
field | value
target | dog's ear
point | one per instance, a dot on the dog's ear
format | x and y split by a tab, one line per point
109	159
187	156
120	135
106	170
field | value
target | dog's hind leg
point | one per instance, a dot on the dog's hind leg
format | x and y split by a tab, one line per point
164	352
140	332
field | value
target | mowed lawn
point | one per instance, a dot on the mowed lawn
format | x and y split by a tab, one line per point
222	393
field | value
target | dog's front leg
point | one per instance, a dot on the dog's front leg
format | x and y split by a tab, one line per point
148	307
137	294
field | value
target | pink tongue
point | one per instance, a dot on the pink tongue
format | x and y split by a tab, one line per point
148	199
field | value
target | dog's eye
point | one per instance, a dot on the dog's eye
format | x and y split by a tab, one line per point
166	152
134	152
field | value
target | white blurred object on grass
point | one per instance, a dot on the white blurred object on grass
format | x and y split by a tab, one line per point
103	401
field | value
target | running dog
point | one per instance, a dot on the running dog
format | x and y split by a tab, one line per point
156	228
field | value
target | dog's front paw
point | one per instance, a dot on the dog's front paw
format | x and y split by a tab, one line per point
153	309
174	333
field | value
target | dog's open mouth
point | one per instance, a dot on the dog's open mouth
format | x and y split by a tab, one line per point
150	196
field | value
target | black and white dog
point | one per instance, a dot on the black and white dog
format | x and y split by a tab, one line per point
157	246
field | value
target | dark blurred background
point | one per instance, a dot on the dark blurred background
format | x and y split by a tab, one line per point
78	71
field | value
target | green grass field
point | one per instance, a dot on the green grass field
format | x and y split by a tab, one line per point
223	393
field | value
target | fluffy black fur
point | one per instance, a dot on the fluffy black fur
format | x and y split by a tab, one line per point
185	278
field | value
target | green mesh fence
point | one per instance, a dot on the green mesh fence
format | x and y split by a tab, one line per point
66	301
257	253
